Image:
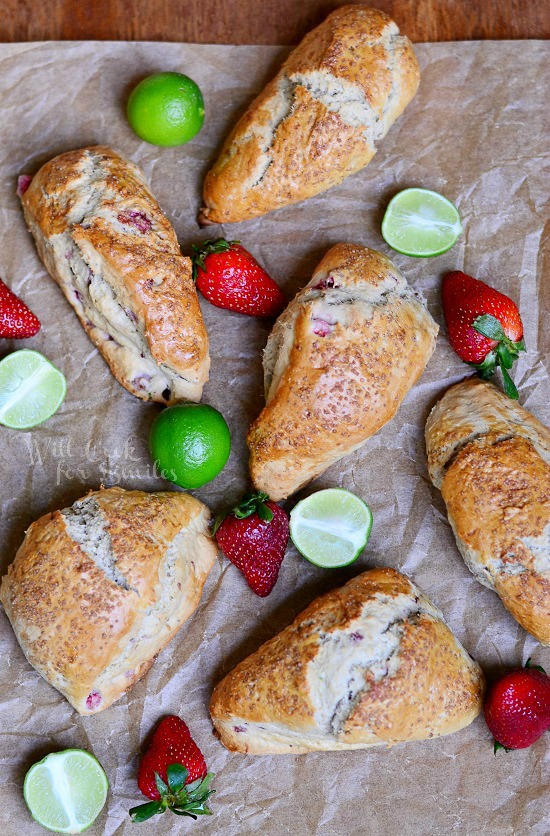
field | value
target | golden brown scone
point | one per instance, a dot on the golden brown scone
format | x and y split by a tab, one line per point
337	365
105	241
97	590
318	120
491	459
369	664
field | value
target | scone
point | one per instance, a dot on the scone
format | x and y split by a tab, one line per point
370	664
105	241
97	590
318	121
338	363
491	459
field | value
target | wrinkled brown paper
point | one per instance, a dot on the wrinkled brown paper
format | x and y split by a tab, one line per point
477	132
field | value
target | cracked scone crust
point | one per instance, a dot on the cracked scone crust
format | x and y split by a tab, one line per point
105	241
318	121
491	459
97	590
338	363
369	664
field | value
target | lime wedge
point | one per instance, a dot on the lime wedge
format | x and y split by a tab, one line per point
31	389
421	223
66	791
331	527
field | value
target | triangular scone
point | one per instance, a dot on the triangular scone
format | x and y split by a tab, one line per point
338	363
369	664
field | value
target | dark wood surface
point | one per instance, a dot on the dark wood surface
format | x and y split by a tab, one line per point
260	21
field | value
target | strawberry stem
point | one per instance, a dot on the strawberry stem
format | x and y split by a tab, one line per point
181	799
504	355
214	246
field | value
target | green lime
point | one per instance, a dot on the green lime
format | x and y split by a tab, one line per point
421	223
66	791
190	444
166	109
31	389
331	527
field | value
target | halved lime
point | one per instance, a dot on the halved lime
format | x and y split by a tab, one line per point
331	527
31	389
421	223
66	791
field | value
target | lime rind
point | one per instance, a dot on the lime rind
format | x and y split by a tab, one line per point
331	527
31	389
66	791
421	223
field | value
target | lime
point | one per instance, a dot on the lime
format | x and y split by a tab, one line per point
166	109
331	527
66	791
31	389
421	223
190	444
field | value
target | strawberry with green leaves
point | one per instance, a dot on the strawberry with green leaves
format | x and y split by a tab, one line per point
517	707
254	536
229	277
173	774
484	326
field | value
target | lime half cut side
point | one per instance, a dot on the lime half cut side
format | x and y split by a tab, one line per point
331	527
66	791
421	223
31	389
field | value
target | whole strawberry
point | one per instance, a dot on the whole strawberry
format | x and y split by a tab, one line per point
229	277
484	326
517	707
16	320
254	536
173	773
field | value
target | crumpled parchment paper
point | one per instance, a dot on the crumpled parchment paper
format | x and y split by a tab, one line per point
477	131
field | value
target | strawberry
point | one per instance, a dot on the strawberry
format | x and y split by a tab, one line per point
517	707
231	278
173	773
254	536
484	326
16	320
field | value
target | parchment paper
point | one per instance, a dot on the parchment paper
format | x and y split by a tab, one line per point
477	132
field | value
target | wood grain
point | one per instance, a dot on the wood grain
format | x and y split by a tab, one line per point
260	21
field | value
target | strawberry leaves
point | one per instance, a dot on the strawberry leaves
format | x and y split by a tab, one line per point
181	798
251	503
214	246
504	355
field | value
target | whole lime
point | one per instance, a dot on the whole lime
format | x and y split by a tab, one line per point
190	444
166	109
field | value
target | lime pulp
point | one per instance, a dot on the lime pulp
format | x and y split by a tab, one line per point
31	389
331	527
421	223
66	791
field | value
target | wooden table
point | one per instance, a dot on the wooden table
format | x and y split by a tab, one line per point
260	21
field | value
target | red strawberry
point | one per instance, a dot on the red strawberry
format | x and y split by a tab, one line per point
517	707
16	320
484	326
173	773
254	537
231	278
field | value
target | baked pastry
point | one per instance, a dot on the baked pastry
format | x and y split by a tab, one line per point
338	363
370	664
491	459
318	121
97	590
115	256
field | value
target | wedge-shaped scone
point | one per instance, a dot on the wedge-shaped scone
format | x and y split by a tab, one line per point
105	241
491	459
337	365
318	121
97	590
369	664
